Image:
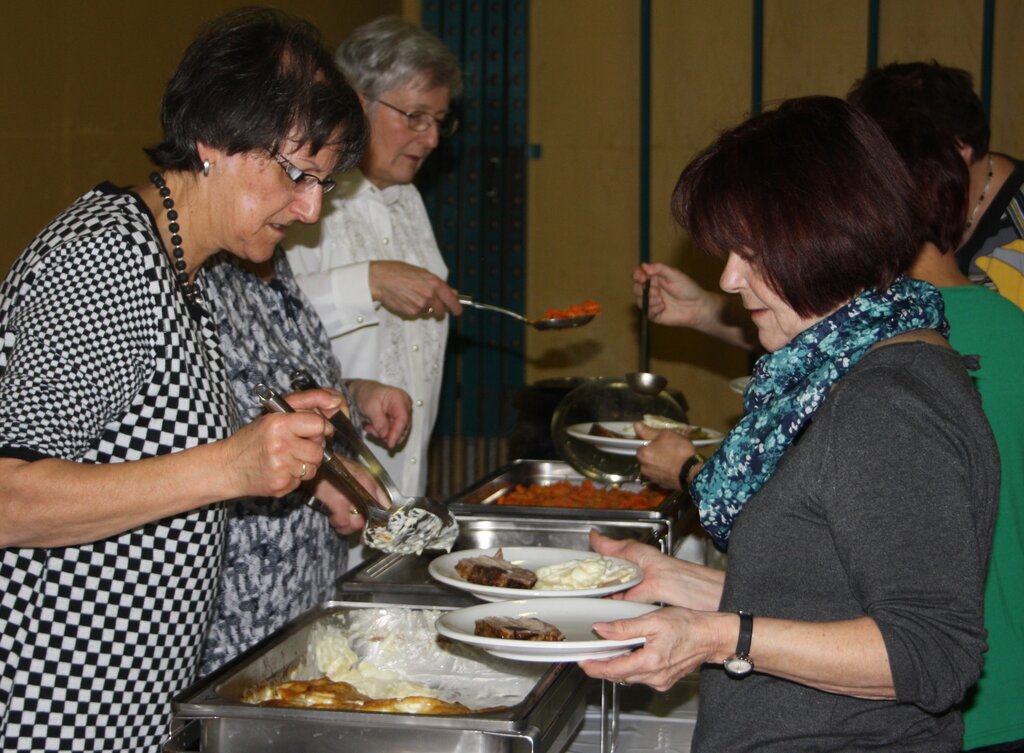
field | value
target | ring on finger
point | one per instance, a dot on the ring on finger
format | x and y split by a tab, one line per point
302	472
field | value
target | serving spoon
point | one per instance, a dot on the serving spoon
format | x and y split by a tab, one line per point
567	322
410	525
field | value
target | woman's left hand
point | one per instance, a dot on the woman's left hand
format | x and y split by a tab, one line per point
678	641
661	459
387	410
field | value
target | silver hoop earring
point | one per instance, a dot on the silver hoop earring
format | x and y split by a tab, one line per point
206	167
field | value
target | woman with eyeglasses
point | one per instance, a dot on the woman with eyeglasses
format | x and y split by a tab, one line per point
372	268
119	434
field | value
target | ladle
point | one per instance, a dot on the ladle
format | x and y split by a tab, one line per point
646	383
541	324
410	525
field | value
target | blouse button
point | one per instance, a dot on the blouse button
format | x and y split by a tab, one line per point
415	348
419	403
386	241
412	461
359	320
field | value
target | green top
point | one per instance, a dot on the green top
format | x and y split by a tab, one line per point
986	324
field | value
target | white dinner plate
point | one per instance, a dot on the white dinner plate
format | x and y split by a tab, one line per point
739	384
532	558
623	446
573	617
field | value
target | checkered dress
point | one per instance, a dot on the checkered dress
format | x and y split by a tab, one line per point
101	361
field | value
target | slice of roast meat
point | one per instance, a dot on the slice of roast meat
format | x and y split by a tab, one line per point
517	629
495	571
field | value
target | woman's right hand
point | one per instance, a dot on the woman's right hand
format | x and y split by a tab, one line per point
271	456
667	580
662	458
408	290
675	299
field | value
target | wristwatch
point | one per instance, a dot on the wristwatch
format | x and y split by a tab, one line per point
684	472
739	664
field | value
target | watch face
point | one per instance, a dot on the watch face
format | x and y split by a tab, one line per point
737	666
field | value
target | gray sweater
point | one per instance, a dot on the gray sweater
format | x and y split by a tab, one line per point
883	508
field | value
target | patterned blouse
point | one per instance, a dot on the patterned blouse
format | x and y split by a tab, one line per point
102	361
281	557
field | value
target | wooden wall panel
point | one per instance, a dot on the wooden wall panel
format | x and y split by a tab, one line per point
582	195
949	31
813	47
1007	109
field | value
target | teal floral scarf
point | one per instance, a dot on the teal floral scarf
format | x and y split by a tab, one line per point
789	385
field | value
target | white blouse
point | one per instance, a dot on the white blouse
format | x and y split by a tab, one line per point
360	224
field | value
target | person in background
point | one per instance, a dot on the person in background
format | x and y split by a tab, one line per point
375	274
857	495
282	557
986	325
995	207
119	434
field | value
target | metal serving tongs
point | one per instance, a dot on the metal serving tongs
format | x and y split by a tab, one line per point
368	506
412	523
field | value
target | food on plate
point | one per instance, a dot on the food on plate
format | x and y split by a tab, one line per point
687	430
324	693
495	571
517	629
583	495
587	308
600	430
574	575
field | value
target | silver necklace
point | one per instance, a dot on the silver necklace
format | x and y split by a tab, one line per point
981	198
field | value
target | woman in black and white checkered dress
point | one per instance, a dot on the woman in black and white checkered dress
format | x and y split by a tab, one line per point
118	429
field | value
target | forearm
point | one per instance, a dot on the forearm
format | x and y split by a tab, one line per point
51	502
846	657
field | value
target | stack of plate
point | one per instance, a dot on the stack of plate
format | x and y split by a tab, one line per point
573	612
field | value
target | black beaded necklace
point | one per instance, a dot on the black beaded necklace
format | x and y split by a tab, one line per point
189	289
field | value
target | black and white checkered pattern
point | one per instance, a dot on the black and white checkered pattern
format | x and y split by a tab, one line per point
101	361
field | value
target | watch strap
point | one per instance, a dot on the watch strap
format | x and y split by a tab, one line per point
746	633
684	472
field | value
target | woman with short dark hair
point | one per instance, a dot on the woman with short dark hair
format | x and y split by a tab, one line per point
118	430
856	497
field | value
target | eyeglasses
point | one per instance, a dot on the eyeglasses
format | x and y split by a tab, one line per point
303	181
420	121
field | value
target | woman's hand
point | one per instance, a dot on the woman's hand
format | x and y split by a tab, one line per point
387	410
678	641
662	458
345	516
667	580
677	300
411	291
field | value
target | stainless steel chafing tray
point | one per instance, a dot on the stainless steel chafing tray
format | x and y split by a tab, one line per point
479	501
210	718
405	578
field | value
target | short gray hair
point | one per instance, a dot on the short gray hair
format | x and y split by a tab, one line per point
388	52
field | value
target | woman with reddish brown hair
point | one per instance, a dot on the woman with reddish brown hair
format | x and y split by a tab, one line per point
856	496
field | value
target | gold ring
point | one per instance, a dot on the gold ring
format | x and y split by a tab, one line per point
302	473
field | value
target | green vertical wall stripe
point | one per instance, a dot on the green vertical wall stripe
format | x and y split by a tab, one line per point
987	42
645	130
757	62
474	188
873	19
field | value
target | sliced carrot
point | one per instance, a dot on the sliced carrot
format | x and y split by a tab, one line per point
583	495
